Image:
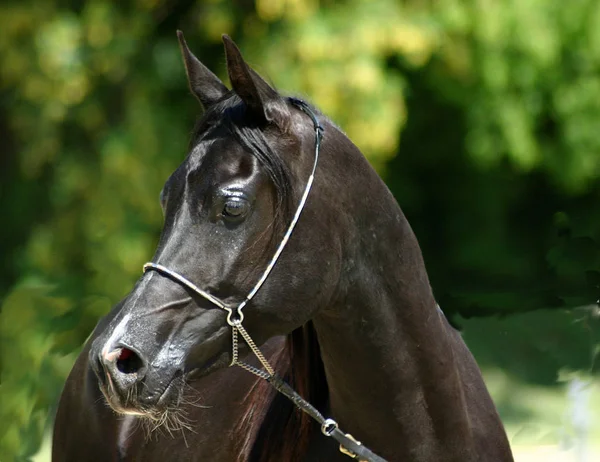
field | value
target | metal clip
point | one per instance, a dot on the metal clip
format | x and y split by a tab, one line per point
348	452
328	427
234	319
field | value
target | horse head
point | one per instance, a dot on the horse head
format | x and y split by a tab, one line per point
226	209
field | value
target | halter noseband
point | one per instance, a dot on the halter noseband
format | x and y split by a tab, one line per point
235	317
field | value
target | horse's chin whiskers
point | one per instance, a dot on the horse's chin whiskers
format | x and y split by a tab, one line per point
172	420
166	422
189	396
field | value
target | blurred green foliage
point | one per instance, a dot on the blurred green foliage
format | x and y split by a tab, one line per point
482	116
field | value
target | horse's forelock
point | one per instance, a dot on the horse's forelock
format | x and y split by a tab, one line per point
251	134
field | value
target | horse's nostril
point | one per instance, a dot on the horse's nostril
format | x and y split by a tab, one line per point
125	354
128	362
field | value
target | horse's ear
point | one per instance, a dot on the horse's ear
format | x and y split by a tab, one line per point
205	85
260	98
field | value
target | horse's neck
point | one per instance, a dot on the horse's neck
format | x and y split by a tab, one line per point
387	350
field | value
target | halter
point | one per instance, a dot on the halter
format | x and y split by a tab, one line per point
235	317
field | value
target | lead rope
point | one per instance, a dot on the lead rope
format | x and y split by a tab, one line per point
329	427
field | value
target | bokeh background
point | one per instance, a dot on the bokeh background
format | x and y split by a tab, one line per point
482	116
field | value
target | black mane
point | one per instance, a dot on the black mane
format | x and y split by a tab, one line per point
271	428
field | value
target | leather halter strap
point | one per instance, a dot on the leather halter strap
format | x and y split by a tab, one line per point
235	316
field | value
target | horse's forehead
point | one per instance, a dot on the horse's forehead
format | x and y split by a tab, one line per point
217	147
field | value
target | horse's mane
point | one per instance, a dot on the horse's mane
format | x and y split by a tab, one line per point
271	428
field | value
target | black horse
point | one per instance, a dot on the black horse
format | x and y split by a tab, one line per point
346	316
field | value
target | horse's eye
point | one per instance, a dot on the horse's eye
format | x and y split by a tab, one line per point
236	207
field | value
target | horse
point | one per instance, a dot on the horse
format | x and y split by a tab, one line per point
340	310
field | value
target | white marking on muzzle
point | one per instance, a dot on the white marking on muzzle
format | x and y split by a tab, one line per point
117	332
